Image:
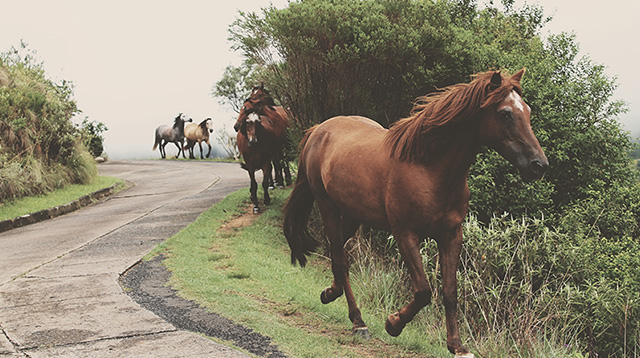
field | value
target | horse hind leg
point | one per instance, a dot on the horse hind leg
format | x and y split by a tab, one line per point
339	228
277	166
287	171
163	152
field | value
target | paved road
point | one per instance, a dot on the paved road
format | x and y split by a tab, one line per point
59	295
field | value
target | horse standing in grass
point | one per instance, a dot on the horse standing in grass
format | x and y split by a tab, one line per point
257	143
198	133
174	134
410	180
278	118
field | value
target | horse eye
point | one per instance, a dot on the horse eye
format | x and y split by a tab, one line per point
505	115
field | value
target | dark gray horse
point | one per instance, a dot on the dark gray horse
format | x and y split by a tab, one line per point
174	134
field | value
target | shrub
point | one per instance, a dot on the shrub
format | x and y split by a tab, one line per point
41	148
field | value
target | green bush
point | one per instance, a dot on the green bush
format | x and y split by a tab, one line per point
41	148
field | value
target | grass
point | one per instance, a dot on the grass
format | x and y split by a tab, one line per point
55	198
244	273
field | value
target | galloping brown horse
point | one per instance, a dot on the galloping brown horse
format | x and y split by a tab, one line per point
256	142
410	180
278	118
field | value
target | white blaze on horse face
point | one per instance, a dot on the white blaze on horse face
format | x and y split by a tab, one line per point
253	117
209	125
515	101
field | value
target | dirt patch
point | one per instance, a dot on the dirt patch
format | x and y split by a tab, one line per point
239	222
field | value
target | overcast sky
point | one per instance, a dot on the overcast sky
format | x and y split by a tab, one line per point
137	64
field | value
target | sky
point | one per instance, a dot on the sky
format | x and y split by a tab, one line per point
136	64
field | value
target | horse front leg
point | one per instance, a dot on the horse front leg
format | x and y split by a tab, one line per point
254	189
266	180
409	247
200	145
180	149
450	249
209	152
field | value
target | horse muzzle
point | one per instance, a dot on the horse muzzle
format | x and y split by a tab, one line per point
535	169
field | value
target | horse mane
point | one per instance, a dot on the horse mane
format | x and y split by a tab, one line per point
267	99
435	117
203	124
176	121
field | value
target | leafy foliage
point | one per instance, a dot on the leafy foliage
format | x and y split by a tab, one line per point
40	148
92	136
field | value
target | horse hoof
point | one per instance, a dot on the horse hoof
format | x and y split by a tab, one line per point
271	187
326	296
280	186
362	332
465	355
393	326
256	210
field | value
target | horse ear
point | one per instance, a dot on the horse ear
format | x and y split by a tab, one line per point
518	75
496	81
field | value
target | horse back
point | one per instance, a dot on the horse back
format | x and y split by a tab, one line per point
347	163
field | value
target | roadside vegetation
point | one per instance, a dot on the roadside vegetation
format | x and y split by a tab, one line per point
40	147
237	264
547	264
67	194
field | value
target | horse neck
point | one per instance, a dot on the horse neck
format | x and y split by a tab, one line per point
455	157
180	127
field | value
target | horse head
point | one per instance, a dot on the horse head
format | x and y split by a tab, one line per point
250	128
181	119
249	106
207	125
506	126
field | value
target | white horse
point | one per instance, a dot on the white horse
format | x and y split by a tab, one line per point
174	134
198	133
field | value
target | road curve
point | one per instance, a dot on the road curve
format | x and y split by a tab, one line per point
59	292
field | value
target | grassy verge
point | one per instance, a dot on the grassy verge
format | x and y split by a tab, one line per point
238	265
57	197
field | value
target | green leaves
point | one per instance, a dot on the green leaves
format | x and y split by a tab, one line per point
41	148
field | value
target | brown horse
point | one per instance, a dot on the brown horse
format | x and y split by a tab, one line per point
278	117
198	133
410	180
256	142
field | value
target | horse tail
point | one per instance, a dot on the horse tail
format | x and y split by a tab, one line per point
296	215
155	145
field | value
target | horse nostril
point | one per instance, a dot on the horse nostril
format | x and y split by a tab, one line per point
539	167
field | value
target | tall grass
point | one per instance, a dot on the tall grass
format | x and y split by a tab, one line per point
524	291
